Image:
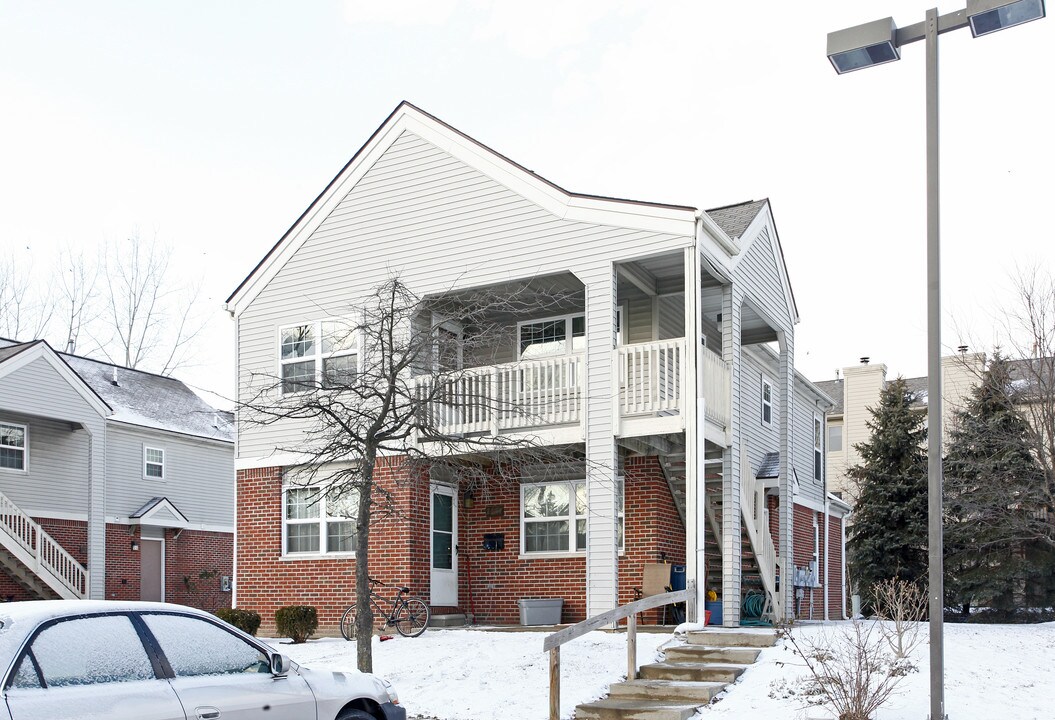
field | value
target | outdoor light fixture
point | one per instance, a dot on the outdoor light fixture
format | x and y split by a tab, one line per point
135	545
988	16
880	42
863	46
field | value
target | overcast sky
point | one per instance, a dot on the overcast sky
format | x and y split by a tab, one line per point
215	124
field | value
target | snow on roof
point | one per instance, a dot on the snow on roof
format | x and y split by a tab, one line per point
153	401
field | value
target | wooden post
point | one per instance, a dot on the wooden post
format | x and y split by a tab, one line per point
554	683
631	647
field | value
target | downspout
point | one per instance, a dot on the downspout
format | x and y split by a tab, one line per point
827	508
234	539
842	590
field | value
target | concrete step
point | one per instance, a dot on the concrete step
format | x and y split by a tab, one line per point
695	672
732	638
618	709
449	620
702	654
675	691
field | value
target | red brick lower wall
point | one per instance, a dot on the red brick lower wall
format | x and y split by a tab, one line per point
490	582
399	548
188	554
803	538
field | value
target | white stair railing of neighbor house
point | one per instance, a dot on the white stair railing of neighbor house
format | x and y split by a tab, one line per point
756	522
716	387
40	553
650	377
530	393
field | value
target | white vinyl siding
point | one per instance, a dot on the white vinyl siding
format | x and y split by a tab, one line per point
153	463
14	447
438	223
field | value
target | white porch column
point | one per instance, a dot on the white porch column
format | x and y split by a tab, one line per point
96	529
602	391
732	544
693	408
787	511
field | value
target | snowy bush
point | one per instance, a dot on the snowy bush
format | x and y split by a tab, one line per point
245	620
297	622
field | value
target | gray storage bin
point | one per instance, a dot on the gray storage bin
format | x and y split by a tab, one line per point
540	612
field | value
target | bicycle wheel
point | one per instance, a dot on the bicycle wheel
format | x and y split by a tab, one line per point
348	623
411	618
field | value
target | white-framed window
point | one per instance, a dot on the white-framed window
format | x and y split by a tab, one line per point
767	401
322	353
818	439
835	437
153	463
551	337
554	517
14	446
316	522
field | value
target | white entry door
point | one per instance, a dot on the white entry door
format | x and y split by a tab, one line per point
444	544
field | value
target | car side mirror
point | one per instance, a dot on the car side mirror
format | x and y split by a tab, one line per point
280	664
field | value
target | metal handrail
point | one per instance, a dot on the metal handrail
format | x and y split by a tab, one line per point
552	642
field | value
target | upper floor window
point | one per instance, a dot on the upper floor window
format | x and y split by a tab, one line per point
553	516
767	401
552	336
835	437
818	437
317	354
318	522
13	446
153	463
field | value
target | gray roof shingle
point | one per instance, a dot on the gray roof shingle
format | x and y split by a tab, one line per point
734	219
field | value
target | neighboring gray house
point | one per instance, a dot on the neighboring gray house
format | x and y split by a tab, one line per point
660	375
114	483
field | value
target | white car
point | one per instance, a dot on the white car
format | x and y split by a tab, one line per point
89	659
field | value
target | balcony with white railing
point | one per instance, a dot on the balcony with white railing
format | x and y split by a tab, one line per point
548	393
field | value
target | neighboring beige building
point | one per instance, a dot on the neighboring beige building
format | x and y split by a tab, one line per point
857	390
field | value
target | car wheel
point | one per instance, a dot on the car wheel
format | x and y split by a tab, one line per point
353	714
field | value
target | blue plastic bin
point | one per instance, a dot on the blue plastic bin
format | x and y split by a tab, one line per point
715	609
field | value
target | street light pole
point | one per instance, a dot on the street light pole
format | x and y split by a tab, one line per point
935	541
880	42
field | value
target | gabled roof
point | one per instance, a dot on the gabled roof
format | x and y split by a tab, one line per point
735	219
159	512
138	397
15	355
834	390
770	467
660	217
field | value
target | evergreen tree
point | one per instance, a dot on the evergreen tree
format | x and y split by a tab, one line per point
997	532
888	534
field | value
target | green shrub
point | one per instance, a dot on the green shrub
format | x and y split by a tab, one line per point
296	622
245	620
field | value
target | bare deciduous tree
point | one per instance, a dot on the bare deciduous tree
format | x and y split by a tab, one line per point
76	296
902	606
25	310
392	383
147	320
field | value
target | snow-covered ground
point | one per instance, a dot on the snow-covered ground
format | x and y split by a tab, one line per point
471	674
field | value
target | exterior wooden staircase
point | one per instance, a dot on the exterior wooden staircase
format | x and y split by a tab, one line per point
35	560
689	677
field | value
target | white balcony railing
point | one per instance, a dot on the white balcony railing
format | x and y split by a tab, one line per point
531	393
650	377
549	391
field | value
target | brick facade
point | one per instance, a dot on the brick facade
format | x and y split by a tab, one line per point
489	582
187	554
804	540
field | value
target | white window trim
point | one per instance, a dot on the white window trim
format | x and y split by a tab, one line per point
573	518
762	402
25	448
568	337
820	429
146	450
321	520
318	357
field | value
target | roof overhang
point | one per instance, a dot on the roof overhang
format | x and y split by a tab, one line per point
159	512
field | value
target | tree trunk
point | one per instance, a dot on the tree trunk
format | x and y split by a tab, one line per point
364	616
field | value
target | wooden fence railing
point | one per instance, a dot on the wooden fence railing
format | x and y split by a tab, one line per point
552	642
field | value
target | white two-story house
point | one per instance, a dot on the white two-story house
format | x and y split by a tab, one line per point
677	385
114	483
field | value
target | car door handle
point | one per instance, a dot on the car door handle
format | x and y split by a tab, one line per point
207	713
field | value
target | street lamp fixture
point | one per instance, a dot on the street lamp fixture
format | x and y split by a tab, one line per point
988	16
880	42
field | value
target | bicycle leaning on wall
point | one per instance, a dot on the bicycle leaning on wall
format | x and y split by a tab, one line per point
409	615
